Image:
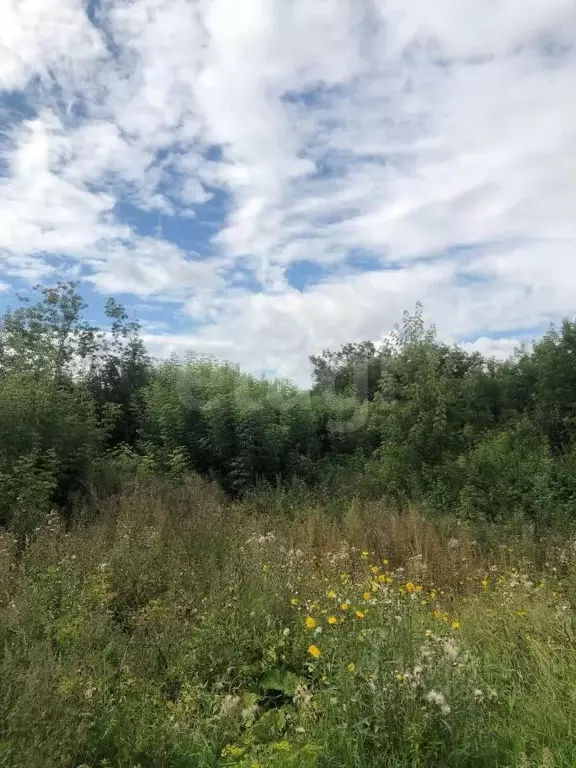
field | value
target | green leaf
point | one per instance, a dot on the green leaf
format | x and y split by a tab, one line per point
280	680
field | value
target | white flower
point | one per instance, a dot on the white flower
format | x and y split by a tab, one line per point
434	697
450	647
229	705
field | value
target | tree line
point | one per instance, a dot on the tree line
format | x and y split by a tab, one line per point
84	409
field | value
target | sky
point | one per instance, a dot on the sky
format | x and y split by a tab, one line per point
262	179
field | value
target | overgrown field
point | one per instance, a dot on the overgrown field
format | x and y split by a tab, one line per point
170	627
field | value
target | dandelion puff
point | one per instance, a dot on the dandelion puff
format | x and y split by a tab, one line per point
437	698
229	705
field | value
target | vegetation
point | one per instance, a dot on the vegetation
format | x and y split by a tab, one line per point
198	568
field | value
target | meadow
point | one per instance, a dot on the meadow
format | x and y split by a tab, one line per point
203	569
175	628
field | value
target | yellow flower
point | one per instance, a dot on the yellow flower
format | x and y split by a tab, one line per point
359	615
429	633
367	595
433	594
455	625
385	561
331	594
231	750
310	622
409	586
364	555
484	583
344	606
382	578
294	601
314	651
351	667
446	618
332	620
418	588
374	569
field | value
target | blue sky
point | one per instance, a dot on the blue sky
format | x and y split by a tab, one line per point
261	180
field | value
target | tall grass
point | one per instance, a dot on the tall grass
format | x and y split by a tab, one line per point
172	628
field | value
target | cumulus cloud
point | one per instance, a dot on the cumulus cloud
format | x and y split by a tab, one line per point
436	138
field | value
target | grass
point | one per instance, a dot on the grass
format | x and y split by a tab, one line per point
174	629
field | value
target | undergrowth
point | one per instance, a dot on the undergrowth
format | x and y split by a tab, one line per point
177	629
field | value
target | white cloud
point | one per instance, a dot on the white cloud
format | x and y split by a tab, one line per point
438	136
46	38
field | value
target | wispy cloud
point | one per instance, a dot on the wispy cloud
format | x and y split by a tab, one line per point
437	138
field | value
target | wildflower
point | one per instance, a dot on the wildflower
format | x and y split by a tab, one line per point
409	587
455	625
231	750
367	595
351	667
450	648
385	561
374	569
294	601
434	697
364	554
360	614
484	583
310	622
344	606
429	633
418	588
331	594
302	696
229	705
314	651
382	578
332	620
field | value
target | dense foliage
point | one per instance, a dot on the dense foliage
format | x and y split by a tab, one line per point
181	630
412	420
376	573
